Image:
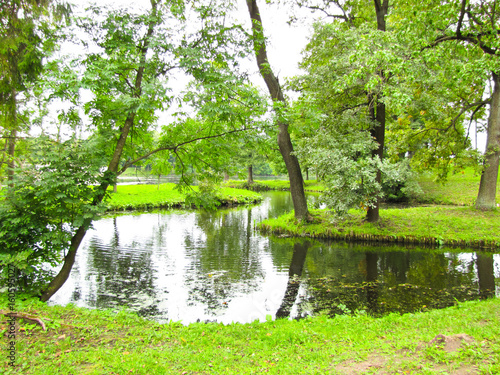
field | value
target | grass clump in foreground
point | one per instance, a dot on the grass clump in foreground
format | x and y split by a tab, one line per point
130	197
452	226
462	338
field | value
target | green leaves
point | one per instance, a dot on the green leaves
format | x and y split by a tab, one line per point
50	197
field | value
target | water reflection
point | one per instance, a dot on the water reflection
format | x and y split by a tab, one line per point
196	265
402	281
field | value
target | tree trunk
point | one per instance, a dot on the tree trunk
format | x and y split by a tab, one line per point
11	142
11	153
250	175
69	260
108	179
486	197
284	141
378	132
109	176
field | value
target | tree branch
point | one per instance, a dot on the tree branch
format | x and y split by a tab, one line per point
25	317
461	18
177	146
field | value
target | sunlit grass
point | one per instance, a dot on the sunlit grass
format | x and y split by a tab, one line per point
260	185
130	197
457	226
459	189
81	341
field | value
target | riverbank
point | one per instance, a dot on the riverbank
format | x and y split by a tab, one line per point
140	197
461	339
448	218
433	226
265	185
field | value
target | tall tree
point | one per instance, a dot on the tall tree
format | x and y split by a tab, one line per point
128	76
24	41
275	90
470	28
61	185
377	113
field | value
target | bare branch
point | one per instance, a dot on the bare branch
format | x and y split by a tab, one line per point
25	317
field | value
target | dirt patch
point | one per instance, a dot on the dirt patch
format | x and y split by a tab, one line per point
451	343
380	364
374	364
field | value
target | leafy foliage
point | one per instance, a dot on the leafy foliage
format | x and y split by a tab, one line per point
51	196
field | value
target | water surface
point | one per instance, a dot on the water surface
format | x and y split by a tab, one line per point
197	265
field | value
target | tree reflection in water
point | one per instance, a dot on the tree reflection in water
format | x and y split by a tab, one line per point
190	265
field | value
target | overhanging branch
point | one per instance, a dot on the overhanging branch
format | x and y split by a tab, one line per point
177	146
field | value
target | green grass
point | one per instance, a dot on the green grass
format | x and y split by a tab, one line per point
130	197
452	222
81	341
452	226
262	185
460	189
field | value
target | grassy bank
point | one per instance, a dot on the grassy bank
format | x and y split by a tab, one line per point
452	221
131	197
460	339
264	185
451	226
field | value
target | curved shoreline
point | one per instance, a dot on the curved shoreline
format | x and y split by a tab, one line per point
428	226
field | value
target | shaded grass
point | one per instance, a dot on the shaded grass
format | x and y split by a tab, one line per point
451	226
81	341
459	189
130	197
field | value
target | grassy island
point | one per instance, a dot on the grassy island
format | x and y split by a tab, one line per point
443	214
137	197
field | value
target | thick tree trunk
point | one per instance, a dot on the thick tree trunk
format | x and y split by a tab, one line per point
284	141
486	197
378	132
69	260
250	175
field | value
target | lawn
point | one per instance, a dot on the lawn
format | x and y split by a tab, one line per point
460	339
129	197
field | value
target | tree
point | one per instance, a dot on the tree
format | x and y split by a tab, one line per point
277	96
344	97
367	74
25	40
470	28
127	74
